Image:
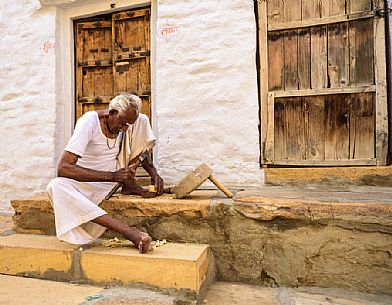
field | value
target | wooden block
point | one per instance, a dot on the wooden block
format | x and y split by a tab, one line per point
192	180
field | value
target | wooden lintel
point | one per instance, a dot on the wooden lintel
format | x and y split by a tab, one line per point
318	163
325	91
319	21
94	25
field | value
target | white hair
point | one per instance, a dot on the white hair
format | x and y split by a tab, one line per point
123	101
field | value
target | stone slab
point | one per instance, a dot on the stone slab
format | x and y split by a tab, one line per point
365	205
178	266
36	256
340	177
170	266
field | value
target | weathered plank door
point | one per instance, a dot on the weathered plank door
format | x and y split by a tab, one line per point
112	55
322	84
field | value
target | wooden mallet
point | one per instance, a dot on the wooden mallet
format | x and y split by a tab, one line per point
195	178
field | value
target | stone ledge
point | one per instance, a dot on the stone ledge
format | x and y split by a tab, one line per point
178	266
339	177
273	203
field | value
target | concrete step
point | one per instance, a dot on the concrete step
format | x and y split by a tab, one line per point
173	265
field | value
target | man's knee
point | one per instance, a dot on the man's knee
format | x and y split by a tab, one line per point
54	184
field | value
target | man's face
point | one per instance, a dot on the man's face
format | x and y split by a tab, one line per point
122	122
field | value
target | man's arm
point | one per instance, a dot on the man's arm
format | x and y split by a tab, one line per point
69	169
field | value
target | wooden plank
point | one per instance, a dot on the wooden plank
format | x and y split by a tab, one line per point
290	60
361	52
132	14
338	55
355	162
330	128
275	11
292	10
362	126
263	74
314	128
304	58
319	57
381	94
275	61
326	91
356	6
269	144
311	9
78	70
333	7
280	132
342	126
95	24
295	129
318	21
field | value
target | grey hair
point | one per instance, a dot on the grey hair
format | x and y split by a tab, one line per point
124	101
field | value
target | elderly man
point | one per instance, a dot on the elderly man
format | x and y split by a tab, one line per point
87	171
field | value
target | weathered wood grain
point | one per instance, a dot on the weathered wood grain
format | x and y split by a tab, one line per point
304	58
314	128
319	58
290	60
338	55
361	52
275	61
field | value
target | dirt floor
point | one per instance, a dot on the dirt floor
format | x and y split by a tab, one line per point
26	291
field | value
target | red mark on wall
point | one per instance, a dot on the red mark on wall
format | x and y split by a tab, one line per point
168	31
47	46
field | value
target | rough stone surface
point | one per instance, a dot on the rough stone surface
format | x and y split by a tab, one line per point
236	294
280	237
332	177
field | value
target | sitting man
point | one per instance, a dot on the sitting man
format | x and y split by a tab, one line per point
87	172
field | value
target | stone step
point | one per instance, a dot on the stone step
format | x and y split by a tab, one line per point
336	177
173	265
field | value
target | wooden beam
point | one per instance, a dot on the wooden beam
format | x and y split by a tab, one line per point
354	162
263	73
325	91
269	142
381	92
319	21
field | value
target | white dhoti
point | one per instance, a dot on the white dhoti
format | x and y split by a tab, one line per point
76	203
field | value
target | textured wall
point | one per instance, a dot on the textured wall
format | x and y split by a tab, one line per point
27	98
206	89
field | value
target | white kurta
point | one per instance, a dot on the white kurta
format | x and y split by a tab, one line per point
76	203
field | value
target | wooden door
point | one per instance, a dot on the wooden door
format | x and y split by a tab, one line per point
112	55
323	96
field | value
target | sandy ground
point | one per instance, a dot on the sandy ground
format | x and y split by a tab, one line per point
26	291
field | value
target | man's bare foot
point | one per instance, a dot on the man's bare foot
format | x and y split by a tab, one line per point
144	243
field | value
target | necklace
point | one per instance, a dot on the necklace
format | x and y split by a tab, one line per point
107	139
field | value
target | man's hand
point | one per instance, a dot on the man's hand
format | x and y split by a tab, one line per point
158	182
124	174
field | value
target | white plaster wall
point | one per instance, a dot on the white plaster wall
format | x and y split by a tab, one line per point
205	101
206	107
27	99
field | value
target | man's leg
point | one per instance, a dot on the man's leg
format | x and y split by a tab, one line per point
140	239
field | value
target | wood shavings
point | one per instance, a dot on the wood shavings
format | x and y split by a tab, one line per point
158	243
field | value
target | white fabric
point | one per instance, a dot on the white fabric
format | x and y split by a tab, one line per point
138	137
76	203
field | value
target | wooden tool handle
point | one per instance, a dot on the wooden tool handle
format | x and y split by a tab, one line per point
108	196
221	186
